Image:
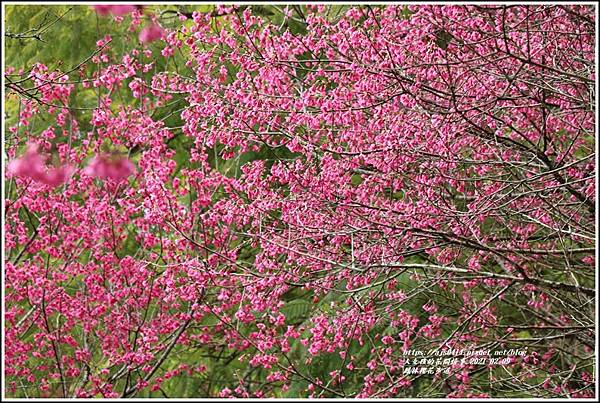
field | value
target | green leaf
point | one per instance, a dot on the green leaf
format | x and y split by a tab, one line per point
296	309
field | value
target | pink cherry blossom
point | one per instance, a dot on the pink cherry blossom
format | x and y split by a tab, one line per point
32	165
103	9
150	33
114	9
123	9
110	168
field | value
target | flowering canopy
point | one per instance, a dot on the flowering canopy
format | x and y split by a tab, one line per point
335	193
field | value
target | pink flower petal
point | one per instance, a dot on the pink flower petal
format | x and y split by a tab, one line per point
32	165
123	9
107	168
151	33
119	9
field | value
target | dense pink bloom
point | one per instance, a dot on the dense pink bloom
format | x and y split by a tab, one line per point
151	33
110	168
32	165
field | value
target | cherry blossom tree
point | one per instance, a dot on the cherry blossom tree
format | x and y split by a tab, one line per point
242	203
